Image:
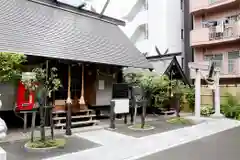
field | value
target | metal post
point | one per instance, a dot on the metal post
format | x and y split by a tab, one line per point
125	118
25	122
51	122
68	118
33	125
177	104
144	103
132	115
132	106
112	115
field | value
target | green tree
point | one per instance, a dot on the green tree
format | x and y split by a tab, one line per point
44	84
11	66
157	87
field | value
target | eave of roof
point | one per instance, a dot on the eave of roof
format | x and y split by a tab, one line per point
83	12
164	55
41	30
175	62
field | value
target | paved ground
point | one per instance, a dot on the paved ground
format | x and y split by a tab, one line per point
180	143
160	126
131	148
159	122
222	146
74	144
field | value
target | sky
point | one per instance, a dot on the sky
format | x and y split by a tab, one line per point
116	8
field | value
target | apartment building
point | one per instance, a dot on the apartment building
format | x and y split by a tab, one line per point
163	24
153	23
216	36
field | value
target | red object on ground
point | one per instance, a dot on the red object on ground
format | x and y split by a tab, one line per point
25	100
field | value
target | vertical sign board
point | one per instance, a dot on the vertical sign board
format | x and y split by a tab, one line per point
138	93
120	95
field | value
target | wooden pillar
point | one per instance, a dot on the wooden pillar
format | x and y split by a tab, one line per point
82	100
68	104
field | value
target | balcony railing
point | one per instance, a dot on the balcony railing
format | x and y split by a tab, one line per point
210	2
140	19
198	5
216	34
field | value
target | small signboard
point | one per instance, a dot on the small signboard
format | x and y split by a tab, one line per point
205	65
120	90
121	106
101	85
28	75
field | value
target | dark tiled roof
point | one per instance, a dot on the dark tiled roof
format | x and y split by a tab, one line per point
178	69
35	29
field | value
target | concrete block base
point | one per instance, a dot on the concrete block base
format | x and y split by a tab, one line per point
3	154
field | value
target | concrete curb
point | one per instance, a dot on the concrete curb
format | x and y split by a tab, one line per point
40	150
140	129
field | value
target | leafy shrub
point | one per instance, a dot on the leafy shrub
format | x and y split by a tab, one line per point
59	143
207	110
157	87
190	97
231	107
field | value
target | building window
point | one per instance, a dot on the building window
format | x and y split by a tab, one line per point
216	59
232	60
182	33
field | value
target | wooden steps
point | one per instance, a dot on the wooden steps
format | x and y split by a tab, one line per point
77	123
73	117
78	119
80	111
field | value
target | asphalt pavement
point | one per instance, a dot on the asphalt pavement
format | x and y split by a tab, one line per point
221	146
16	151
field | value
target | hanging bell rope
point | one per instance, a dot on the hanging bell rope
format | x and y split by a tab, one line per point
69	84
82	101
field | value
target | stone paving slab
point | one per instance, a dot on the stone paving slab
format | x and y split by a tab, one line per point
16	151
105	137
